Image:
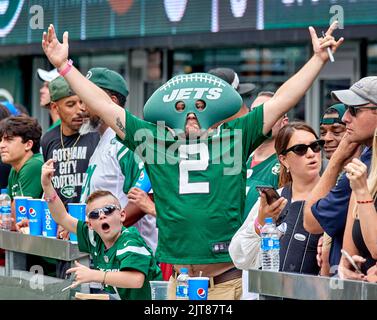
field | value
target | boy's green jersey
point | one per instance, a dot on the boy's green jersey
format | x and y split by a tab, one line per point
129	252
198	184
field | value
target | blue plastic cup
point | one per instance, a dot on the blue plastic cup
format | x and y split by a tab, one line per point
76	210
198	288
21	206
50	227
35	216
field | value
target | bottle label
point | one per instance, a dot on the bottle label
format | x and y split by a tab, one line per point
266	244
182	291
276	244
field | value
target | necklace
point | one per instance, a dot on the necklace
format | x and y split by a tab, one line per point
68	153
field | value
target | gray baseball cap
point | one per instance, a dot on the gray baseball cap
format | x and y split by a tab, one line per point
362	92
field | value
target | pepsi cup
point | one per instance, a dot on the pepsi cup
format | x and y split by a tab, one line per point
21	206
50	227
76	210
198	288
35	216
143	182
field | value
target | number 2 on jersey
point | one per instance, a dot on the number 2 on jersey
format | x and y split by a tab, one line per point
186	166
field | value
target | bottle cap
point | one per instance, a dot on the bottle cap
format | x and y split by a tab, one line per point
184	270
268	220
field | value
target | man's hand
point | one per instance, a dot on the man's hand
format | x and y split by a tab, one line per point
346	151
320	45
357	173
346	271
141	199
55	51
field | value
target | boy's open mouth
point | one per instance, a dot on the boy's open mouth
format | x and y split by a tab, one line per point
105	226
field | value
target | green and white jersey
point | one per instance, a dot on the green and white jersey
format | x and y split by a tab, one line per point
27	181
129	252
112	167
264	173
199	185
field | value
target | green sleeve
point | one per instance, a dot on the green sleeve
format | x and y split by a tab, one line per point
29	179
136	131
134	255
130	168
252	130
83	237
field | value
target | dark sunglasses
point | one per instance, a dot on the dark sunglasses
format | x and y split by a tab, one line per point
353	109
107	211
301	149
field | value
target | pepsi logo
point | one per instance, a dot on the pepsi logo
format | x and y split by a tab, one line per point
32	213
22	210
201	293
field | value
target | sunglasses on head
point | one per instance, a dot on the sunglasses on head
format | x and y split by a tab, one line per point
353	109
106	210
301	149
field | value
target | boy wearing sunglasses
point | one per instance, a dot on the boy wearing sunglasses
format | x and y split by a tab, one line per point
123	263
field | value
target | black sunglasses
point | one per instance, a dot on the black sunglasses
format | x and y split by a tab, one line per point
353	109
107	211
301	149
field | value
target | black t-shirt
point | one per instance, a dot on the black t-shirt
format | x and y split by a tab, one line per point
357	237
4	174
71	161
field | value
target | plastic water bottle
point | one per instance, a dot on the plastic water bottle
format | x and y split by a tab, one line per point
182	285
270	246
5	207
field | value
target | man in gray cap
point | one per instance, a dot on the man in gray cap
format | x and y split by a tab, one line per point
326	209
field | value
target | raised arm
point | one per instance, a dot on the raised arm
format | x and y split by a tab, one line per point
56	206
290	93
94	97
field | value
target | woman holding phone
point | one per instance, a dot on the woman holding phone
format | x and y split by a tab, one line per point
360	236
299	153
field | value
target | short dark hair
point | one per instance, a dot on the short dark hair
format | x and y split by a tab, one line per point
4	112
121	98
22	126
22	109
99	194
266	94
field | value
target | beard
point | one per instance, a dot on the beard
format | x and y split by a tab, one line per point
91	125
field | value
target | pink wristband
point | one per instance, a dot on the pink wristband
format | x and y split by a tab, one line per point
257	224
66	69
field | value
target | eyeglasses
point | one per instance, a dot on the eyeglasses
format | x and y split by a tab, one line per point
107	211
353	109
301	149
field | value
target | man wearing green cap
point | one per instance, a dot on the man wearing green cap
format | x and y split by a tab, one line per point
332	128
65	145
112	167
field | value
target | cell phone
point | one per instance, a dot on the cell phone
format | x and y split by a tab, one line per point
270	192
351	261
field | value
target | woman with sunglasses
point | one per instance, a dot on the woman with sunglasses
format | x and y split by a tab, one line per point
360	236
299	152
123	262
